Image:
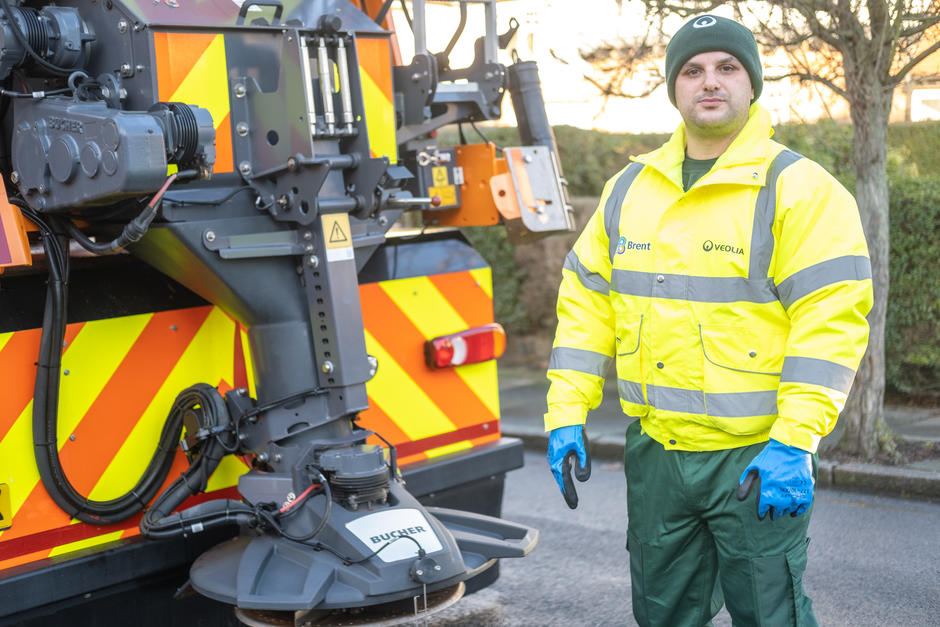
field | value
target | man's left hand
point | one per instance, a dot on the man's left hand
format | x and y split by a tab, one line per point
564	445
784	478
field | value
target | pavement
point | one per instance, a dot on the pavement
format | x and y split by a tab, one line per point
522	404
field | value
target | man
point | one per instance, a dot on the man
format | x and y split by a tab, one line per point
728	278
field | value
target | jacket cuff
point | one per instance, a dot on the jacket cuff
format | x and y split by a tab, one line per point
786	432
565	416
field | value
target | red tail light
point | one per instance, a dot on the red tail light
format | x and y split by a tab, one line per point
466	347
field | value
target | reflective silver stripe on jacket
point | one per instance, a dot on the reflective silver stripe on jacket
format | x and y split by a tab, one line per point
808	280
693	288
591	280
580	360
817	372
765	212
719	405
615	202
631	391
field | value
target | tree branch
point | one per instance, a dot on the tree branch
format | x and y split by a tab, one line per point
809	76
659	7
924	23
609	89
898	76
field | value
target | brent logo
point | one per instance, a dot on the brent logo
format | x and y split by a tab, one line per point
623	245
709	246
704	22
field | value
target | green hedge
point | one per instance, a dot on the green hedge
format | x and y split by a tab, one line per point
913	320
589	158
912	328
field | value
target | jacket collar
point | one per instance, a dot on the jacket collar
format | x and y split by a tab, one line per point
744	162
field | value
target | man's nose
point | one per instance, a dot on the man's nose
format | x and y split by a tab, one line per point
711	79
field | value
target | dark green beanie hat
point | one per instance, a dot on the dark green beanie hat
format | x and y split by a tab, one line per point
708	33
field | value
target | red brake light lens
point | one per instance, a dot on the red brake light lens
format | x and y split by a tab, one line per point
466	347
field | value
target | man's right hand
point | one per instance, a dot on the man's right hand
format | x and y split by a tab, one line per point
564	444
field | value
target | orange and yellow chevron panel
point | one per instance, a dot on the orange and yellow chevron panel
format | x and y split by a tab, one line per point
191	68
427	412
121	375
375	74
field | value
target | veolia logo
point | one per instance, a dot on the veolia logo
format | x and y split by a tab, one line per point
709	246
704	22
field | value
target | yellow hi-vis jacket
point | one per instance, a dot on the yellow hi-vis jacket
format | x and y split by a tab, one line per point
734	311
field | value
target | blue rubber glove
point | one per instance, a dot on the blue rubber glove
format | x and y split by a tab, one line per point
784	478
564	444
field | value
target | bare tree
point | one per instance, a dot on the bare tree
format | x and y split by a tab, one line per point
861	50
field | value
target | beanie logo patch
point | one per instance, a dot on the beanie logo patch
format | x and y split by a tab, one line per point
704	22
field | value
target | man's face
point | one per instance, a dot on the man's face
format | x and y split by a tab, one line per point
713	94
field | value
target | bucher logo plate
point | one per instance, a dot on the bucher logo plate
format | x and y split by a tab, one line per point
375	530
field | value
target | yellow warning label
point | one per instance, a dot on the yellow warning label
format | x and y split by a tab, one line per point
336	230
439	174
448	194
6	512
338	237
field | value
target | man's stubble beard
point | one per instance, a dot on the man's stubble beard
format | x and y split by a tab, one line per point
716	129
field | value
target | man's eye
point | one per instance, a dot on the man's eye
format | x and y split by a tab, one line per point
692	71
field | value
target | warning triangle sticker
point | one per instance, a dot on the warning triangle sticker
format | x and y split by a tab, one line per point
337	234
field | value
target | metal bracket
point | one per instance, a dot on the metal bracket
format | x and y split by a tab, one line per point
251	245
415	86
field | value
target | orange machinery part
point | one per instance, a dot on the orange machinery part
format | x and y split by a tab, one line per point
487	192
372	8
14	244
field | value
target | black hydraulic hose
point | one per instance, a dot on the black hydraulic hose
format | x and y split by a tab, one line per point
404	9
159	521
380	16
46	406
133	230
457	33
198	518
21	39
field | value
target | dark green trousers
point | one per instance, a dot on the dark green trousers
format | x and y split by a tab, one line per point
694	546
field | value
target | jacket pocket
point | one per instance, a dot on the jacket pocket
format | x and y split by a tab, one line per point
742	349
629	364
628	334
742	372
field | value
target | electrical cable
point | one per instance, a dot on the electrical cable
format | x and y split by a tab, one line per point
453	40
349	561
404	10
133	230
392	454
207	203
21	39
485	138
269	518
46	404
35	95
201	398
159	521
300	499
380	16
283	401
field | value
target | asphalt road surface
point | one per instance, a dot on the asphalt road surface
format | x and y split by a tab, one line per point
872	560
